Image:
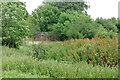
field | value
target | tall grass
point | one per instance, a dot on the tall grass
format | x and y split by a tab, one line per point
96	51
18	74
14	61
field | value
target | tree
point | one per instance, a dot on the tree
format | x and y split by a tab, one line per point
118	25
73	25
108	24
33	26
14	25
45	16
69	6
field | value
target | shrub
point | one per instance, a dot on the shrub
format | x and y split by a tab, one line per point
102	32
108	24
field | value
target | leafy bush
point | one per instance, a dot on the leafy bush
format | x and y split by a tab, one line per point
15	35
112	34
108	24
102	32
73	25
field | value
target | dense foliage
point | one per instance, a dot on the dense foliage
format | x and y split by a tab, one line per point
64	22
45	16
86	48
96	51
51	13
14	24
63	25
73	25
69	6
108	24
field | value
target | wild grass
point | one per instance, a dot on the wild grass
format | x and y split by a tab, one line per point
14	62
18	74
97	51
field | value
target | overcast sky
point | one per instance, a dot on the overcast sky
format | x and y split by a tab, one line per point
99	8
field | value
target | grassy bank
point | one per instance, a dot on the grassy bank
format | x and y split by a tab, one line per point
16	63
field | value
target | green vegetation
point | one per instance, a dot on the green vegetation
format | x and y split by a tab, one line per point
62	23
14	25
69	6
16	63
18	74
96	51
86	48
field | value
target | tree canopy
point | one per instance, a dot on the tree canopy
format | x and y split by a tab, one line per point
69	6
63	20
14	25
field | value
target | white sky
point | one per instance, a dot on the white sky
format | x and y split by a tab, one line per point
99	8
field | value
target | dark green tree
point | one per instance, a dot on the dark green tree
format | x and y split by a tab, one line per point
108	24
69	6
73	25
107	27
45	16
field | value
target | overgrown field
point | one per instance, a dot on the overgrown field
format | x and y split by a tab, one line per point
96	51
80	58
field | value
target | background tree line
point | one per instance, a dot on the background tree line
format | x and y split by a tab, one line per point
63	20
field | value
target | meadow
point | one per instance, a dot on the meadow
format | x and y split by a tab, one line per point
75	58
